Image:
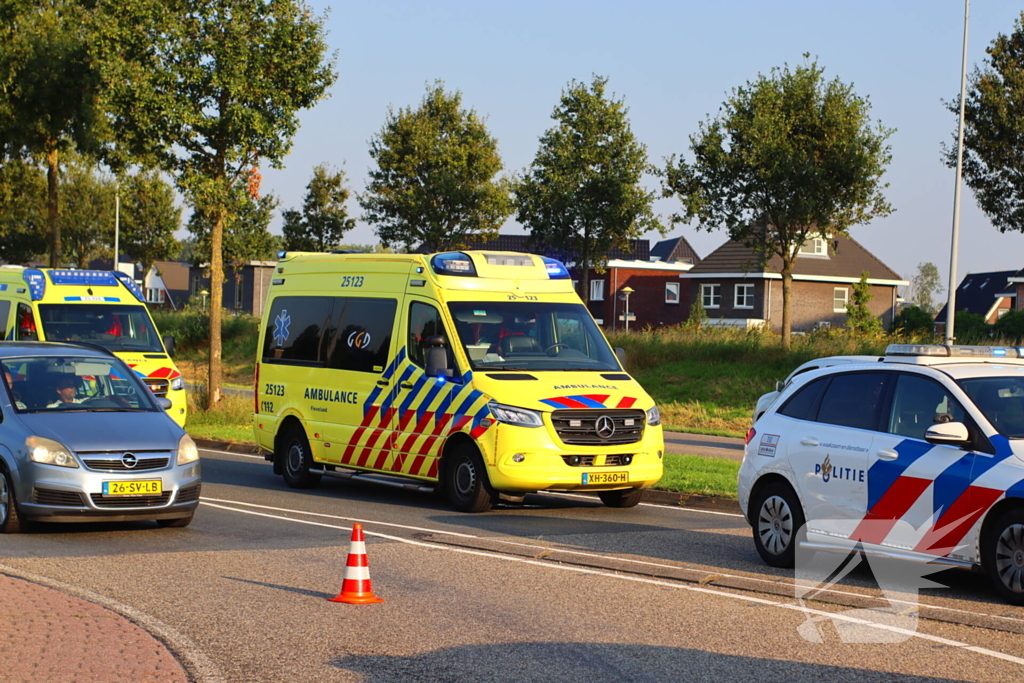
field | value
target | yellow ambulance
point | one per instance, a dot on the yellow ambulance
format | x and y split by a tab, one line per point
100	307
480	373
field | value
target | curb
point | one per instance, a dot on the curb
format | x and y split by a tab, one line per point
654	496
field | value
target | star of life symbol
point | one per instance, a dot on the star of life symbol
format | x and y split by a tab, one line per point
281	323
820	575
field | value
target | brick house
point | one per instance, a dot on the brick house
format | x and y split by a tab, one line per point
989	295
245	290
1017	287
167	284
658	297
737	290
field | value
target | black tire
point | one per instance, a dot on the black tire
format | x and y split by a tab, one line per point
297	460
10	518
176	523
621	498
1002	556
778	522
465	481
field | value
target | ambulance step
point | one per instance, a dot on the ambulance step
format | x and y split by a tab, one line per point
385	480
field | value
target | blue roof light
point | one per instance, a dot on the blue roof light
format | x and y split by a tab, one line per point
130	284
88	278
36	282
556	269
453	263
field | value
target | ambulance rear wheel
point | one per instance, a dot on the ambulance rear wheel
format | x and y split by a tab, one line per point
466	483
298	460
621	498
778	523
1002	556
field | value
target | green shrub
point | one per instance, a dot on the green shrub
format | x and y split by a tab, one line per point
1010	328
914	321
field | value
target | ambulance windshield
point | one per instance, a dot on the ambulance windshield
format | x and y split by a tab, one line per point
527	335
117	327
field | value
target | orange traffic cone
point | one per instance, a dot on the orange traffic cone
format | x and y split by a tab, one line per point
356	588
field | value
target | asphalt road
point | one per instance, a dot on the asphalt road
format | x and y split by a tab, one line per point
557	589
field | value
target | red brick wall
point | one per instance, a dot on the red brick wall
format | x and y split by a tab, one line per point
646	303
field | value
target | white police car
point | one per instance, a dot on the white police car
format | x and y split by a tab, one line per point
918	456
767	399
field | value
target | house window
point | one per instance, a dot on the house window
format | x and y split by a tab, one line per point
154	295
597	290
196	285
816	246
840	297
744	296
711	295
671	292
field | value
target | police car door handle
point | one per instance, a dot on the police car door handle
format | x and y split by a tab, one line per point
886	454
809	441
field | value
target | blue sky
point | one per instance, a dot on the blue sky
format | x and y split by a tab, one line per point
673	63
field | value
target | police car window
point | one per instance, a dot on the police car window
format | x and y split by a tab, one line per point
918	403
361	337
425	322
295	330
1001	400
854	400
801	402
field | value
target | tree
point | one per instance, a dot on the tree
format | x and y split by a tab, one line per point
435	183
913	320
971	328
582	196
324	219
149	219
210	88
859	317
22	210
50	87
246	234
86	210
924	284
993	158
790	157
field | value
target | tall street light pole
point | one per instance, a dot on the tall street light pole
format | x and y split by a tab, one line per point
951	301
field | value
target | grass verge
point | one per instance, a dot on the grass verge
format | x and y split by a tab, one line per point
699	475
232	421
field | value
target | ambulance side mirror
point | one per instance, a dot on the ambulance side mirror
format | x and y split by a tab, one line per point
169	344
437	357
620	353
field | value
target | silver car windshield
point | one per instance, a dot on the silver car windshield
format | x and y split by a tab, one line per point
54	384
533	336
1001	399
117	327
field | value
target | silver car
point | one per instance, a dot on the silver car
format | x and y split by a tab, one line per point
82	439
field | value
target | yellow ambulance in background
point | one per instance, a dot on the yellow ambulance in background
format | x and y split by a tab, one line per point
100	307
479	372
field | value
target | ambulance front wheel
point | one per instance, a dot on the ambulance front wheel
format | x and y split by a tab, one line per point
465	481
621	498
298	460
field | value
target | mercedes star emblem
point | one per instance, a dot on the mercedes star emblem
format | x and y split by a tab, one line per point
605	427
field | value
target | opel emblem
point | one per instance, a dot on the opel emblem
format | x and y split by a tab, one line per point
605	427
129	460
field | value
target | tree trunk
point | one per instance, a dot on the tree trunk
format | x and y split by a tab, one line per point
787	286
216	306
52	218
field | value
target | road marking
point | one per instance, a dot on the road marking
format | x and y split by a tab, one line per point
638	579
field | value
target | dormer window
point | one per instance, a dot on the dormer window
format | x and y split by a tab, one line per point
816	246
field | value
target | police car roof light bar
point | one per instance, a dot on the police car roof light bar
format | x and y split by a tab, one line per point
954	351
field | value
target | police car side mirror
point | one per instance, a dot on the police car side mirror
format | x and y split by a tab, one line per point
163	402
948	434
437	358
620	353
779	386
169	344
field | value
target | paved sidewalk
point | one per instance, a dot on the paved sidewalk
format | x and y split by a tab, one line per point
47	636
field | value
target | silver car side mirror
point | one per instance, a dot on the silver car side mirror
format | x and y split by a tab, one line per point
163	402
948	433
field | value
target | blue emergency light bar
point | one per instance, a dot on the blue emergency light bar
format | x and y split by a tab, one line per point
453	263
954	351
87	278
130	284
36	282
556	269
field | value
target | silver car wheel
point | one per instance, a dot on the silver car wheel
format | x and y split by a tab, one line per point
5	500
1010	557
775	525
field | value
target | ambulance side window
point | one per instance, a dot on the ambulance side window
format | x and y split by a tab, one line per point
25	324
5	313
362	336
296	330
426	322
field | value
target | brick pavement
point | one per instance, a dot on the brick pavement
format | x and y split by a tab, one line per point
47	636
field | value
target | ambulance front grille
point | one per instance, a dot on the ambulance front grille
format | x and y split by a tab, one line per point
580	427
158	385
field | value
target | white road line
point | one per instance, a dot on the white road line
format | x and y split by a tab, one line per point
657	582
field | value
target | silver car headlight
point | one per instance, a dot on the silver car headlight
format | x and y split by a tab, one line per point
654	416
49	452
187	450
177	384
520	417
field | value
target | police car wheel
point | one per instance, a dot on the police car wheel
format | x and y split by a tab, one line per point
778	524
621	498
1003	556
298	459
466	481
10	520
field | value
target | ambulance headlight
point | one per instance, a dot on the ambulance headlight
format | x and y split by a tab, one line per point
187	451
520	417
49	452
177	384
653	416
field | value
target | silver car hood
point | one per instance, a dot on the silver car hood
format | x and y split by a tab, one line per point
101	431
